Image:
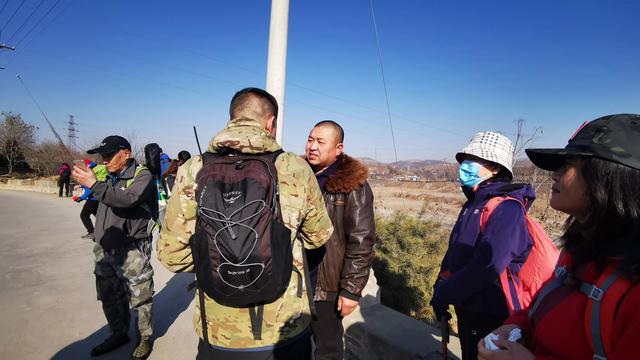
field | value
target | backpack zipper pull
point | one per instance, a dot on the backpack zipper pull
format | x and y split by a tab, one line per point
231	232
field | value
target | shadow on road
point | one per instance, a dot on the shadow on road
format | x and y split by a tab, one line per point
387	334
169	303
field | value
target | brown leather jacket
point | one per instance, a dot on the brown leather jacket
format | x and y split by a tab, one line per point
349	252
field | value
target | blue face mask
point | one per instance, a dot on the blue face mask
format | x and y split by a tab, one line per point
468	173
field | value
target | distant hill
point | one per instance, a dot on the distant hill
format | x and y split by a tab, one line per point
411	164
417	164
369	161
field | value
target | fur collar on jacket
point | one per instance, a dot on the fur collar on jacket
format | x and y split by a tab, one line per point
350	175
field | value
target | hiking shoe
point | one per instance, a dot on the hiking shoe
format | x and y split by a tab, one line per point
112	342
143	350
87	236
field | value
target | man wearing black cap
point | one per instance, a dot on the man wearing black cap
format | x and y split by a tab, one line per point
124	276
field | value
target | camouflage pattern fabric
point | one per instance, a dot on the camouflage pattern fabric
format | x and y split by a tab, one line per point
124	278
301	202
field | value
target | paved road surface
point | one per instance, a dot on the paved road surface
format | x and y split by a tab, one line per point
48	306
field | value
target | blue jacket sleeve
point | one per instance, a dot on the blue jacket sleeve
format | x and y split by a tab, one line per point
505	238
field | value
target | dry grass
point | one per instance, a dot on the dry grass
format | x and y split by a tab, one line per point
442	202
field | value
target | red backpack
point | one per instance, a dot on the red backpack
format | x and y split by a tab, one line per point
537	268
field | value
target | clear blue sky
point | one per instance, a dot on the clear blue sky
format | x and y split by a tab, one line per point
155	68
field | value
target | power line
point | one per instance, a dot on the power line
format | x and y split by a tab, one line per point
41	29
26	20
39	21
4	6
14	14
252	71
384	80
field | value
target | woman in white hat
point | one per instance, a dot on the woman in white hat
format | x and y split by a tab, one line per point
470	271
590	309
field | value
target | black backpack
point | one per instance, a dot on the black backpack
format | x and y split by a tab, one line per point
242	250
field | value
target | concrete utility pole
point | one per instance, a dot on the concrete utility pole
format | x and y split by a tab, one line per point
42	112
277	58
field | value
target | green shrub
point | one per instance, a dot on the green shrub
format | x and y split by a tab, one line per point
409	251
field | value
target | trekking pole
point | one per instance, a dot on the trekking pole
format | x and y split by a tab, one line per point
197	141
444	331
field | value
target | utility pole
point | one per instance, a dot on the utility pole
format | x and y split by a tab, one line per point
277	58
71	133
53	130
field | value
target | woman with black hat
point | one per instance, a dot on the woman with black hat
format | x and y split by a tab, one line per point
590	308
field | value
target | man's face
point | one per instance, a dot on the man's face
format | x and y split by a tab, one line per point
117	161
323	147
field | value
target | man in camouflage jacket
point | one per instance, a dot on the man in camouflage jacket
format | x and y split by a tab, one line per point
285	323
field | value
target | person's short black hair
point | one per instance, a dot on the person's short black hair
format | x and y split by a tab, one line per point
239	101
335	126
184	155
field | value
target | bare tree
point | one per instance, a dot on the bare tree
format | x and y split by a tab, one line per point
523	140
137	147
46	156
532	174
16	139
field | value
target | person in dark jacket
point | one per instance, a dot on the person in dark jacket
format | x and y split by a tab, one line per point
340	269
470	270
64	180
124	276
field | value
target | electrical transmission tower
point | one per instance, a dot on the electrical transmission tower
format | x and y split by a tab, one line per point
72	129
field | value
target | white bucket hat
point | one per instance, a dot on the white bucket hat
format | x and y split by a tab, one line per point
490	146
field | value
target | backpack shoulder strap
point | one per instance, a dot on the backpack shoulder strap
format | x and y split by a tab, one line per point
139	169
510	288
491	206
208	157
272	156
603	299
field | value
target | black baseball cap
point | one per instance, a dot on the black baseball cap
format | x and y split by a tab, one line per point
614	138
111	144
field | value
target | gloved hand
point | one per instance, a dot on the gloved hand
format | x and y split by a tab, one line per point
441	311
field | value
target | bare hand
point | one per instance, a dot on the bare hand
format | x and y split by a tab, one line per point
346	306
84	177
508	350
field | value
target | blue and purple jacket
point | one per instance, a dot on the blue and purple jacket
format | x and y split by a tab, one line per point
474	260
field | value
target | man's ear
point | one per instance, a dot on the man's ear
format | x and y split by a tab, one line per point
127	153
271	125
340	149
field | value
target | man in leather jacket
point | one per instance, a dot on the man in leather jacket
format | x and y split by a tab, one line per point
340	269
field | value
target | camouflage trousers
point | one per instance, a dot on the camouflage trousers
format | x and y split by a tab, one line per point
124	278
